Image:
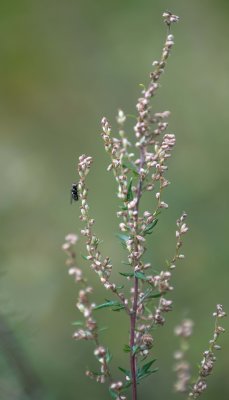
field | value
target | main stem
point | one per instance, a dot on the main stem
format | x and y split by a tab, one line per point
133	313
132	341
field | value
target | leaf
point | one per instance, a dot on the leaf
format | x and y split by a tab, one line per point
119	308
130	196
127	384
142	86
153	296
146	367
125	371
131	166
127	274
84	257
120	286
132	116
108	357
140	275
145	371
77	323
149	228
124	208
157	213
107	304
102	329
122	237
126	348
135	348
113	394
96	373
147	374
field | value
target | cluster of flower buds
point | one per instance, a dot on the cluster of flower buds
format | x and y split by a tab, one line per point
102	355
162	152
117	149
142	128
125	143
182	370
182	229
143	339
182	367
84	165
101	266
209	357
170	18
85	306
68	247
161	282
146	136
163	307
185	329
89	331
116	388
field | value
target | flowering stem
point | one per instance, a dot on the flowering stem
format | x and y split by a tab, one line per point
132	341
133	315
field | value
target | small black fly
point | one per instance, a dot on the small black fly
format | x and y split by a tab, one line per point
74	192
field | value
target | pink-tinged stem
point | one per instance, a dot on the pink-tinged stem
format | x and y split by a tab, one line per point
132	341
133	314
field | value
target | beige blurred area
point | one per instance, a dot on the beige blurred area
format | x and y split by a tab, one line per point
64	65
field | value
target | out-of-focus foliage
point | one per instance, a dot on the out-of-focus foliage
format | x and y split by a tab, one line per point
65	64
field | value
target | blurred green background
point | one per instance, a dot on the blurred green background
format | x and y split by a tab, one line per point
65	64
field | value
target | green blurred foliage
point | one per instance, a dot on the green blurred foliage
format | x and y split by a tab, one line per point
63	66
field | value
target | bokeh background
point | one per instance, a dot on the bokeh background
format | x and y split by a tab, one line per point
65	64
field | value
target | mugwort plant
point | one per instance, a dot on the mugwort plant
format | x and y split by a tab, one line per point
138	168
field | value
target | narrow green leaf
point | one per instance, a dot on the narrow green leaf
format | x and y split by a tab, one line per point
107	304
149	228
135	348
125	371
77	323
140	275
144	375
132	116
131	166
153	296
147	366
96	373
108	357
157	213
122	237
120	286
130	196
142	86
145	371
84	257
123	208
118	308
127	274
127	384
113	394
103	329
126	348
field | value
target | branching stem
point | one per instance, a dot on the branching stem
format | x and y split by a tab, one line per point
133	315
